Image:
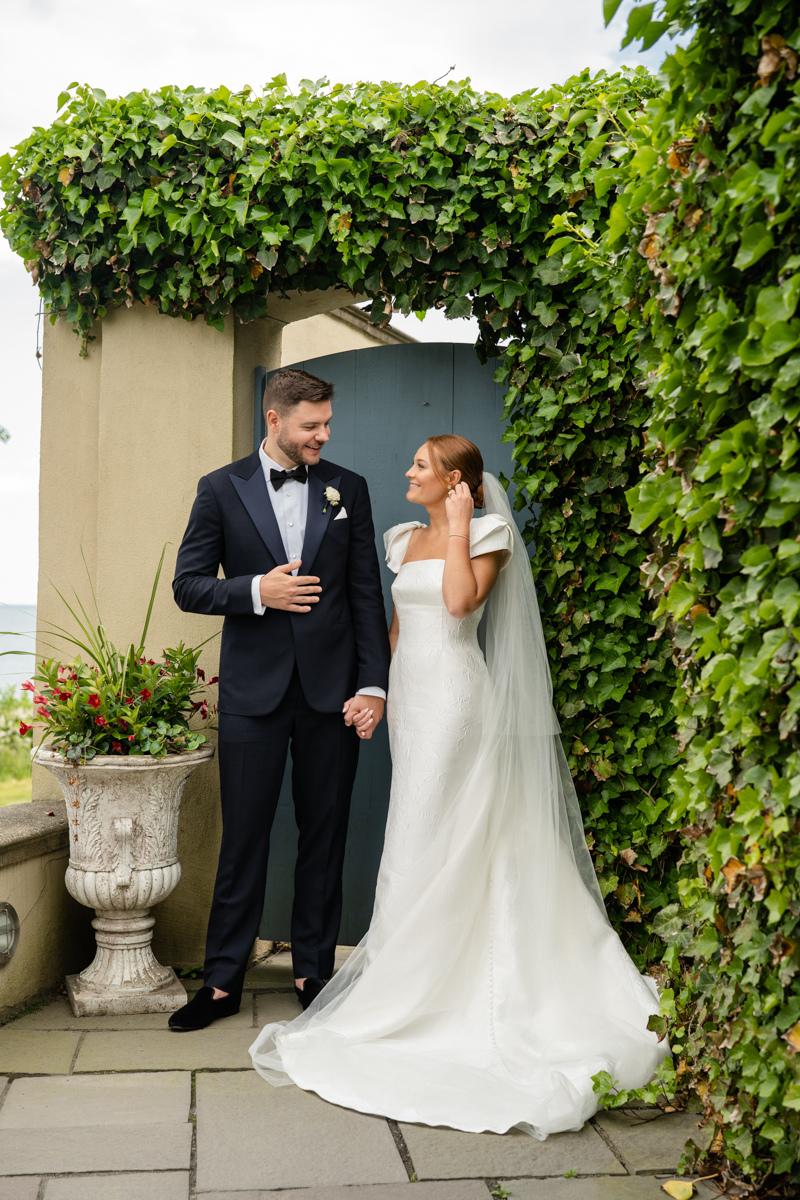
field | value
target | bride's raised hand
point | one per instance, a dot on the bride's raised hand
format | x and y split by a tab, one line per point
459	507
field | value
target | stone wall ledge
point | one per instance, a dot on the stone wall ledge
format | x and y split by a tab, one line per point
28	830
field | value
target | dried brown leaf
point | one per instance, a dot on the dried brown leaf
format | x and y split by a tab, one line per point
732	870
757	878
793	1037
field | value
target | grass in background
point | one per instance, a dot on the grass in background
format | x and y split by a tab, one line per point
13	791
15	761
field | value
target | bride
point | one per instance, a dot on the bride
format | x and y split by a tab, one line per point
490	986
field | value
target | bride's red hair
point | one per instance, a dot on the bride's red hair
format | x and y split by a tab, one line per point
449	452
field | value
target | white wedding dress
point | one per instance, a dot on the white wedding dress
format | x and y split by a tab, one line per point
490	986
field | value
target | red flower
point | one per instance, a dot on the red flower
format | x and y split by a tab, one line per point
145	694
28	687
23	728
39	700
200	673
204	710
65	673
132	738
116	746
101	721
42	711
214	680
94	701
151	662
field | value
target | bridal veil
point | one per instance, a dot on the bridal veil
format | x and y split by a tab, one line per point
490	987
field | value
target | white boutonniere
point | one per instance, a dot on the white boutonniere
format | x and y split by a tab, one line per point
332	497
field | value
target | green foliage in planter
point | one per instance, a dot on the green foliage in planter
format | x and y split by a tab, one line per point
202	203
129	706
708	247
119	702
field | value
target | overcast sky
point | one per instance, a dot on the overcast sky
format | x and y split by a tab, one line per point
126	45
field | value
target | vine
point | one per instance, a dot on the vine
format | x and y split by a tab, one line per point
706	241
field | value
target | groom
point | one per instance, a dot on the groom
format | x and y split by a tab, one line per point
304	660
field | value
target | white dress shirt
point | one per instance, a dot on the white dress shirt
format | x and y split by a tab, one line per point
290	505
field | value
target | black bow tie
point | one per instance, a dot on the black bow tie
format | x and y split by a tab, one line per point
278	478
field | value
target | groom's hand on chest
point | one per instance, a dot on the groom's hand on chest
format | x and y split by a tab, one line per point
292	593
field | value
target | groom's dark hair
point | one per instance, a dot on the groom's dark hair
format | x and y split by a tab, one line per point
290	387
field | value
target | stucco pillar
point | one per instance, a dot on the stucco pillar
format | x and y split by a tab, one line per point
68	487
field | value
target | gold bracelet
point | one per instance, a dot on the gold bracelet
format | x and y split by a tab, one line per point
462	535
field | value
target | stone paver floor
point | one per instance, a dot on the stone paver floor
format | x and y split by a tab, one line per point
108	1108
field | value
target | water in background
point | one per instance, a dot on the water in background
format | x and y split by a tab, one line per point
17	619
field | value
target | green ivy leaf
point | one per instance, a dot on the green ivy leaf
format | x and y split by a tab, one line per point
780	338
239	209
305	239
618	223
150	199
609	9
756	242
657	1025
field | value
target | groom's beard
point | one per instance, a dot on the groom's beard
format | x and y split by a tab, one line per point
297	451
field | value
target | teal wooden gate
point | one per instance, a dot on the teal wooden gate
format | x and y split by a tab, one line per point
388	400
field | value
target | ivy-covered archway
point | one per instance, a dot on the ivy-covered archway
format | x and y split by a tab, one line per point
206	203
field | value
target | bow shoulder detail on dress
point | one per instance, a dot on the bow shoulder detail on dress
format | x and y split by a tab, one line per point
485	535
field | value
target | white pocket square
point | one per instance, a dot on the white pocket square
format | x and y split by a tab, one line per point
340	516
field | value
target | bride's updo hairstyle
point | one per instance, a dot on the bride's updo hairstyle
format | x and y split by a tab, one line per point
449	452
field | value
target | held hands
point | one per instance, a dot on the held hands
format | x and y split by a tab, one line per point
365	713
459	507
293	593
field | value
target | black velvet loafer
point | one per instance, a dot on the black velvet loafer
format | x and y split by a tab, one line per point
309	991
202	1009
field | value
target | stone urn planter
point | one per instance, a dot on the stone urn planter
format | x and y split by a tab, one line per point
123	815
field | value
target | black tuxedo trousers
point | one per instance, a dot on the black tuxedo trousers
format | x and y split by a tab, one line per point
252	759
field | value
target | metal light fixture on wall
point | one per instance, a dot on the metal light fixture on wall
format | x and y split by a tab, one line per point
9	931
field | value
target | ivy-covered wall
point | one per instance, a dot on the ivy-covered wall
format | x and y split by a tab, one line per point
704	239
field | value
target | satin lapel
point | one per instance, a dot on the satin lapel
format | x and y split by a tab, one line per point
316	520
253	495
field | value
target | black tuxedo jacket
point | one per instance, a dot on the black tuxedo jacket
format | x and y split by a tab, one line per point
339	646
